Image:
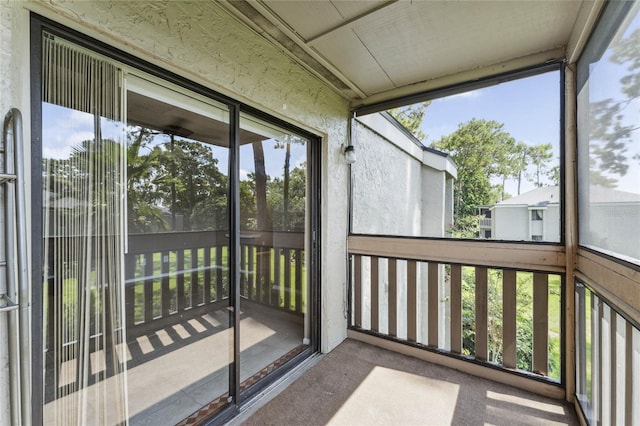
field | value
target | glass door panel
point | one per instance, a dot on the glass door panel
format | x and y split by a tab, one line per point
179	331
274	219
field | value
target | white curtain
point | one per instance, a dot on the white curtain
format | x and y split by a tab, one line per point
84	189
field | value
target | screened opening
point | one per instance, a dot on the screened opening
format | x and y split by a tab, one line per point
469	165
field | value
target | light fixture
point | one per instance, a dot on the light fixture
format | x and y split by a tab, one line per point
350	154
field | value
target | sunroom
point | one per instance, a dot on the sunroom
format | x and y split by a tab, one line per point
203	199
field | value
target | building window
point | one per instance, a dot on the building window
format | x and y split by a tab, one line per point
537	238
536	214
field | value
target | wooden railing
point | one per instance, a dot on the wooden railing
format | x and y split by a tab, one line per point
607	376
170	276
494	303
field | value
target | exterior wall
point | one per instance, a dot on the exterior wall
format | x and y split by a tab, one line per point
387	187
615	226
510	223
551	231
202	42
398	188
434	198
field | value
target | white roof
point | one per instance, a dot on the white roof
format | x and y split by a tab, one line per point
547	195
536	197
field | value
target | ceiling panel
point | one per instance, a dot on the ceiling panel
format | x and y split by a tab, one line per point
307	18
344	50
380	46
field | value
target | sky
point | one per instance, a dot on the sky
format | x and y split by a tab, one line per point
529	109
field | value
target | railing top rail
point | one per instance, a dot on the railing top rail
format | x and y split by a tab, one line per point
511	255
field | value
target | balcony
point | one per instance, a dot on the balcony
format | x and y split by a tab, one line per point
361	384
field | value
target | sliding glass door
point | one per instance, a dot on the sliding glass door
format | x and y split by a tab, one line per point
274	226
155	309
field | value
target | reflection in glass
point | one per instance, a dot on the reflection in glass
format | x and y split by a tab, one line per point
609	137
179	331
273	233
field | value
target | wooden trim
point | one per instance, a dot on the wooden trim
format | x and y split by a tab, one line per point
617	283
540	323
433	301
412	302
456	309
393	297
357	290
509	319
629	373
538	387
613	364
375	297
481	351
526	257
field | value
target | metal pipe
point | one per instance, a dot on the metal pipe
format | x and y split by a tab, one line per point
20	350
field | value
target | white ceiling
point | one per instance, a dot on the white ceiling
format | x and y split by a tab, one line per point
377	50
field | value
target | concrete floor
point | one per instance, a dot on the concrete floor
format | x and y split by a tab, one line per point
179	369
359	384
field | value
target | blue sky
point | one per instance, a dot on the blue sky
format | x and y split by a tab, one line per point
529	109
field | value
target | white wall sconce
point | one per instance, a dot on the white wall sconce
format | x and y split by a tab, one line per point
349	154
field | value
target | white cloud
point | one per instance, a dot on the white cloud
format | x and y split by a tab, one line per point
468	95
244	174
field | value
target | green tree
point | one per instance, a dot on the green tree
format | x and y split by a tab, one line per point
143	202
538	157
481	149
192	185
411	117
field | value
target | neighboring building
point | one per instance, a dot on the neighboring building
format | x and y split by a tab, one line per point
535	216
532	216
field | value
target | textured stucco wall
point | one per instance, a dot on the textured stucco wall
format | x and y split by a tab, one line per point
387	185
398	187
202	42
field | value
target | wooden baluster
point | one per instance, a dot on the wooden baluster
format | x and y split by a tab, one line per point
148	286
375	294
393	297
509	319
298	281
540	322
251	273
288	288
630	374
275	288
432	277
180	281
207	274
165	293
357	290
129	289
196	296
219	287
456	309
244	290
481	352
264	263
412	302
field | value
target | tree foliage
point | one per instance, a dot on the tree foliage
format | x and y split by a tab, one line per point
481	151
411	117
610	135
